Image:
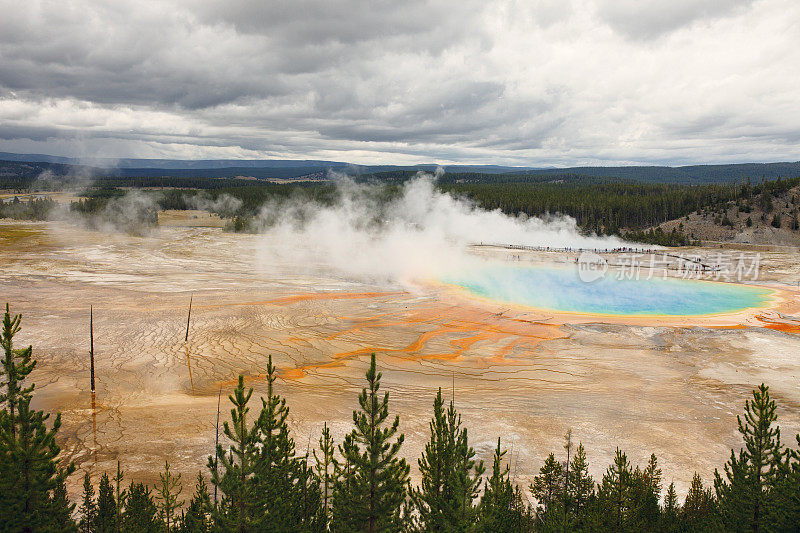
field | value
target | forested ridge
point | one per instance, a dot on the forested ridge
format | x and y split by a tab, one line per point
600	205
609	208
25	171
258	481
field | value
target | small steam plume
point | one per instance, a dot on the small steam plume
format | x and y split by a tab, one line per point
134	212
72	177
224	205
422	233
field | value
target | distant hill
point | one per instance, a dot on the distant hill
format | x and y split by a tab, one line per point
18	169
686	174
19	174
161	164
167	166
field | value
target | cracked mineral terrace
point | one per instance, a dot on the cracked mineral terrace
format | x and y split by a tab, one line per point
667	385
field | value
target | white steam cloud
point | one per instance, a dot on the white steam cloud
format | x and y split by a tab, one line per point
422	234
224	205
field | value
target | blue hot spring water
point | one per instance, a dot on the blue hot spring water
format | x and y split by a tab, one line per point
560	289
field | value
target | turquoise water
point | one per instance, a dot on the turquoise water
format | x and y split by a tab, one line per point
562	290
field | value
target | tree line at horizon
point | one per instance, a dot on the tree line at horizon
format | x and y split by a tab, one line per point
625	209
603	206
32	209
261	483
23	175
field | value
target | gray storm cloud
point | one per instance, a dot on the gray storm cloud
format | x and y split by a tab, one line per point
545	82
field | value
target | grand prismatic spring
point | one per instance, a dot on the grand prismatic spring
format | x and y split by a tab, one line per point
526	348
562	290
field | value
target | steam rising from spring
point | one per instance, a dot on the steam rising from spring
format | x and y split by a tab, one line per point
422	234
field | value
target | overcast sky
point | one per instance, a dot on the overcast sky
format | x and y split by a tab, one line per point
551	82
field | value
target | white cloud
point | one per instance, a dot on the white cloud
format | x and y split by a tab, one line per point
504	81
647	19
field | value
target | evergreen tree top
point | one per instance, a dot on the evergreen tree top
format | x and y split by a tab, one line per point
17	363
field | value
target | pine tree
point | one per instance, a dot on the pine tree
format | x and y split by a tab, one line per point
450	476
88	508
434	494
497	501
120	496
468	473
522	518
306	497
342	496
750	477
565	500
669	518
140	514
105	519
645	492
580	488
61	509
168	491
379	476
652	476
17	364
276	450
198	514
734	493
614	492
698	508
762	446
29	470
548	486
325	473
784	512
283	486
236	509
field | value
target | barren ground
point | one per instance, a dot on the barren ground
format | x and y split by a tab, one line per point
646	385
